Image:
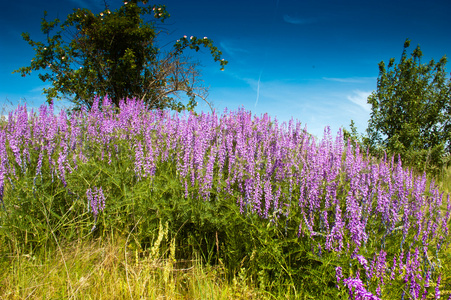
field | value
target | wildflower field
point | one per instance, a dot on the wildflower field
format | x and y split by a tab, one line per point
294	216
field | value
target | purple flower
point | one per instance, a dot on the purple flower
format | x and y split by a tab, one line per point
96	199
138	158
437	287
392	274
268	197
356	288
362	261
381	264
338	274
207	180
3	161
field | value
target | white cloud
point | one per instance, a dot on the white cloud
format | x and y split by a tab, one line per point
360	98
39	89
297	20
351	79
230	49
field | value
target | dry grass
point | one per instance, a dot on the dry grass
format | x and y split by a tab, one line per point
110	270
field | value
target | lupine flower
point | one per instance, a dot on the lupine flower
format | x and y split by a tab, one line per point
338	274
392	274
356	288
3	164
96	200
268	197
437	289
138	158
362	261
426	283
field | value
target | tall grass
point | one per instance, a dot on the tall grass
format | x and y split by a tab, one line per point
108	269
260	204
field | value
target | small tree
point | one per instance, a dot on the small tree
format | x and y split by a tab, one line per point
411	111
115	54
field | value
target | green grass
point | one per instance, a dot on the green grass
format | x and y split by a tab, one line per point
112	268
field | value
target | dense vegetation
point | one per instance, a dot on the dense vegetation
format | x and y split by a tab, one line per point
266	201
263	207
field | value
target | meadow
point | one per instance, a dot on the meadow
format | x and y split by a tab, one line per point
129	202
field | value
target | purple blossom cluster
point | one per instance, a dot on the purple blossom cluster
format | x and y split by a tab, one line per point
96	199
341	196
357	290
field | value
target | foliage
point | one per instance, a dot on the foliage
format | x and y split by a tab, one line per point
115	53
411	111
352	136
267	201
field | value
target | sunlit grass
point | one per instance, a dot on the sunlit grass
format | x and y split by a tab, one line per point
109	269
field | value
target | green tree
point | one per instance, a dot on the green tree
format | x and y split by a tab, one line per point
352	135
114	53
411	111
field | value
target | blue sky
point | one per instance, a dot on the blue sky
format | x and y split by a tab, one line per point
313	60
